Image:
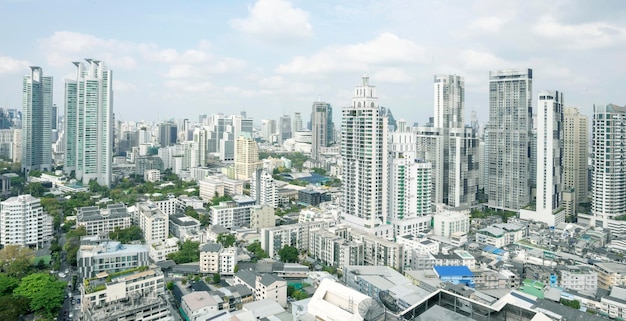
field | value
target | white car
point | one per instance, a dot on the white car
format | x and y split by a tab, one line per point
67	271
61	274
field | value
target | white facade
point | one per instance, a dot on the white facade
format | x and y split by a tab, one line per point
152	175
447	222
89	123
579	278
158	250
139	282
449	102
263	188
297	235
509	139
608	186
262	216
24	222
500	235
153	222
230	215
364	148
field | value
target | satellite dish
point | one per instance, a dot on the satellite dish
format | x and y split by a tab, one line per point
371	310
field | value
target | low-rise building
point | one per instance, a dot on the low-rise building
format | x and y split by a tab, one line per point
610	274
159	250
184	227
153	222
232	214
297	235
582	278
455	274
98	254
152	175
264	286
500	235
199	305
103	221
262	216
447	221
216	259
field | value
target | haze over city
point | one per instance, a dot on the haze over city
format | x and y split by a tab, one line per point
271	57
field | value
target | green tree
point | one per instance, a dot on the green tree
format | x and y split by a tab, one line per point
190	211
290	290
170	285
258	251
288	254
216	278
226	239
189	252
127	235
15	260
11	308
72	243
318	170
35	189
7	283
45	293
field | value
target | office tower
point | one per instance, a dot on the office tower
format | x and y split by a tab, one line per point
54	116
285	128
89	123
246	156
608	180
24	222
321	127
36	128
364	151
549	153
508	142
168	134
575	152
268	130
449	104
297	122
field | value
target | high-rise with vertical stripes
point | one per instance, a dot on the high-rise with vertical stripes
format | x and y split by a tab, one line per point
364	154
509	139
88	125
36	125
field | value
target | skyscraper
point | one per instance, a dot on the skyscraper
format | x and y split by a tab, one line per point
268	130
168	134
364	151
297	122
89	122
508	138
246	156
285	128
321	127
575	152
36	124
548	206
449	104
608	184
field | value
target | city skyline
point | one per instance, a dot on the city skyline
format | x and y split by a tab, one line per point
219	57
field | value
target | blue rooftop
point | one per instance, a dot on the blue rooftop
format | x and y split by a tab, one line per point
460	270
493	249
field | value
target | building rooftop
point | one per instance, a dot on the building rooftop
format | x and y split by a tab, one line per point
198	300
183	220
211	247
612	267
449	271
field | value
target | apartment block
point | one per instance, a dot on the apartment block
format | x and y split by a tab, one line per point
153	222
24	222
500	235
610	274
216	259
580	278
264	286
103	220
98	254
297	235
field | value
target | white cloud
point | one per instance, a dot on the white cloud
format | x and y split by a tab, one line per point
487	24
392	75
386	49
123	86
473	60
11	65
275	21
583	36
272	82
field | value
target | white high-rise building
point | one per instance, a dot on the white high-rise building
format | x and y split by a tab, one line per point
549	151
263	188
268	130
153	222
410	185
199	150
364	152
575	152
36	125
509	138
89	123
449	104
24	222
296	122
608	186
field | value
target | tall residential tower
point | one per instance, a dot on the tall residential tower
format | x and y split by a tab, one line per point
364	152
36	124
89	122
321	127
509	139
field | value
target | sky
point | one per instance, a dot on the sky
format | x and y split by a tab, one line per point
272	57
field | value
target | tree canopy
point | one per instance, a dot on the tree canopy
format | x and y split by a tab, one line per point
127	235
7	283
189	252
258	251
288	254
15	260
45	293
226	239
72	243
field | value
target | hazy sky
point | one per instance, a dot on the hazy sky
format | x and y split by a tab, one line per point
268	57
